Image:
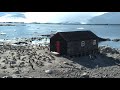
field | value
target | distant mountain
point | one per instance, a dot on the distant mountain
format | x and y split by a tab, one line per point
107	18
64	23
74	19
12	14
12	17
18	15
68	22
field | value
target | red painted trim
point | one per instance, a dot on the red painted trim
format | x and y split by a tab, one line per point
58	46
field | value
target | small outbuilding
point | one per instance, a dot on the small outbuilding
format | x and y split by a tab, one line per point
74	43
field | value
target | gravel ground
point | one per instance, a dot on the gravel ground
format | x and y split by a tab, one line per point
37	62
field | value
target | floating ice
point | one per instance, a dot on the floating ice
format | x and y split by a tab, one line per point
80	28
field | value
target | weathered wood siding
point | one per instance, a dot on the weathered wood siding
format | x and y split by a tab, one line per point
63	44
74	47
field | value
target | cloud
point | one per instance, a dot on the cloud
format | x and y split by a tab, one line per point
12	17
56	17
44	17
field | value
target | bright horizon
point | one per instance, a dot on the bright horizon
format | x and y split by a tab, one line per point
48	17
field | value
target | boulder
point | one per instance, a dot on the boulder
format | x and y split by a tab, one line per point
14	76
3	67
55	53
65	63
3	61
48	71
22	64
84	75
16	72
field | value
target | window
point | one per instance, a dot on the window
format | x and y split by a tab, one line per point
82	43
94	42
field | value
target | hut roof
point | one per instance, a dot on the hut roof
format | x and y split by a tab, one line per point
78	35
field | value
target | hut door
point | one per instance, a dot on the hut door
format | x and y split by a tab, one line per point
58	46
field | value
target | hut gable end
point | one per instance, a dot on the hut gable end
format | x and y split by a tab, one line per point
57	36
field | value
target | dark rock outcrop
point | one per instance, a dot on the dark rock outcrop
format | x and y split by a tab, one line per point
116	40
20	43
103	39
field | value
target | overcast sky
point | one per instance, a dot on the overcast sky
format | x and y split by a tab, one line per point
47	16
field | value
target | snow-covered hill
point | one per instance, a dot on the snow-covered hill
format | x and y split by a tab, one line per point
107	18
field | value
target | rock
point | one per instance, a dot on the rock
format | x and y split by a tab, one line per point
16	72
49	61
7	77
107	49
61	76
84	75
97	66
11	66
3	67
30	77
55	53
105	76
104	39
48	71
81	67
3	61
65	63
93	77
20	43
116	40
68	64
67	75
14	76
60	66
22	63
25	77
13	62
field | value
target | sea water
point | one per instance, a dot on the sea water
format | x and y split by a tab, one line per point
35	30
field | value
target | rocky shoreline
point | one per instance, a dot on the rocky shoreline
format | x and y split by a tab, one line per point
7	25
27	60
108	39
34	61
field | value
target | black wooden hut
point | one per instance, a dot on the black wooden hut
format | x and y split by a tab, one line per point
74	43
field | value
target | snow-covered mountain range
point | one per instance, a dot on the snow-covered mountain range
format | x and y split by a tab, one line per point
107	18
62	17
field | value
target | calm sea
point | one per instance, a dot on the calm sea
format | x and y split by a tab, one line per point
33	30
